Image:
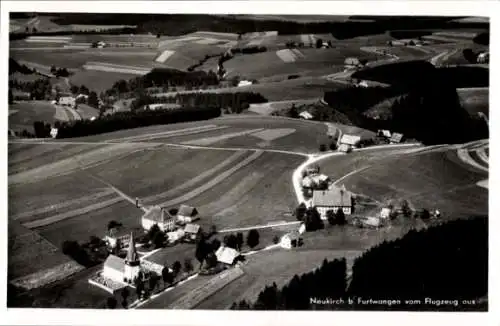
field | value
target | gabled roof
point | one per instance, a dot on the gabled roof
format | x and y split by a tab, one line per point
396	137
343	148
294	235
186	210
226	255
385	133
192	228
350	139
306	115
332	197
351	61
115	262
157	214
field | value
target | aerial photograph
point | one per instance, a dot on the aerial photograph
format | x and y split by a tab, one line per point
248	162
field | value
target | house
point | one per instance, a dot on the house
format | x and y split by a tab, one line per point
348	142
123	270
350	63
244	83
175	236
371	221
227	255
291	240
315	181
313	169
187	214
384	133
385	212
160	216
332	199
192	232
53	132
117	238
483	57
396	138
362	83
67	101
305	115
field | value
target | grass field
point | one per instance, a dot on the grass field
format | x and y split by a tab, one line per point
430	180
98	81
33	260
29	112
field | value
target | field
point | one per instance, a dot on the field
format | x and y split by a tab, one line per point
433	180
25	113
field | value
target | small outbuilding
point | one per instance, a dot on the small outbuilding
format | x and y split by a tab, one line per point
291	240
187	214
192	232
226	255
396	138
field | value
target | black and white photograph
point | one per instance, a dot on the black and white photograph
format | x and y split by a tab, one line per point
245	161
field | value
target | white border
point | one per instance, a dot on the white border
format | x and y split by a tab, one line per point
179	318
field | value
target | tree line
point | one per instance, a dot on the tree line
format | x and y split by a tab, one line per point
444	262
136	119
229	102
39	89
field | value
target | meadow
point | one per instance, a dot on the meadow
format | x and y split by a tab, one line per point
27	112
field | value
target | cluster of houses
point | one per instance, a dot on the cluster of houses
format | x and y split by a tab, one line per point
390	137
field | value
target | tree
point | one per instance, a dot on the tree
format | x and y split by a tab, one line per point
201	250
313	220
74	89
53	70
330	215
239	241
294	112
113	224
188	265
213	229
139	288
11	97
153	282
405	208
93	100
153	230
253	238
159	239
167	276
300	211
111	303
177	267
83	90
319	43
231	241
322	147
125	295
333	146
340	217
276	239
215	245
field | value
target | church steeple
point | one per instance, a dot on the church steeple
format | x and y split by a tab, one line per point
132	256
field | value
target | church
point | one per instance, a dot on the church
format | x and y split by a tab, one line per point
123	270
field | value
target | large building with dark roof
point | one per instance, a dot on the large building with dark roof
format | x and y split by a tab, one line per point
332	199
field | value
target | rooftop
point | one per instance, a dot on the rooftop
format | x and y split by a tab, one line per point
192	228
350	139
115	262
396	137
332	197
226	255
186	210
157	214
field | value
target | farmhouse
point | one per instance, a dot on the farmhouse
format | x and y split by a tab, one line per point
313	169
290	240
332	199
396	138
66	101
187	214
117	237
123	270
192	232
305	115
384	133
226	255
385	213
160	216
348	142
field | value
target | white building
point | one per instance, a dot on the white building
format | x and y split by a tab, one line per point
117	237
385	213
53	132
67	101
123	270
348	142
160	216
332	199
244	83
187	214
290	240
305	115
226	255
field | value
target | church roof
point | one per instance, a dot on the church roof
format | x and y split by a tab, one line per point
132	253
115	262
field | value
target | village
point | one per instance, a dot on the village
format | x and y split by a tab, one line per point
142	261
